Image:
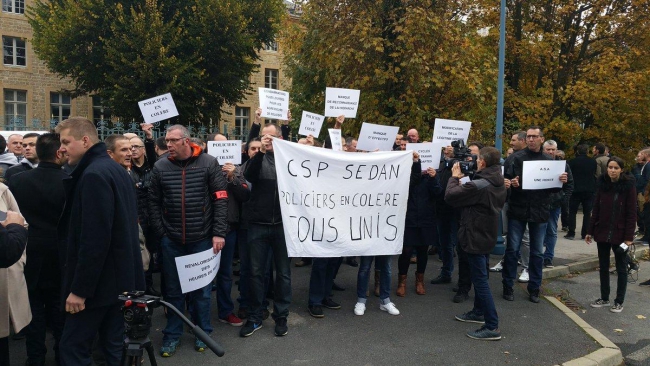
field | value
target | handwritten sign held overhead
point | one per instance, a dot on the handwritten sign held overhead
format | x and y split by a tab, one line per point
158	108
447	130
310	124
376	137
226	151
341	102
274	103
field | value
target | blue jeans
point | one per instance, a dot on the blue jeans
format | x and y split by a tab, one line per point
321	279
261	238
537	232
447	234
199	299
483	302
551	233
224	276
382	264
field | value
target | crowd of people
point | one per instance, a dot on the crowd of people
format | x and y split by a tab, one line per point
87	220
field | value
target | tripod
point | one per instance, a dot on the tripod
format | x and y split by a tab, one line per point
137	311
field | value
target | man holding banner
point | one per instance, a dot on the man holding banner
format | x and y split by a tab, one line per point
188	207
265	231
529	207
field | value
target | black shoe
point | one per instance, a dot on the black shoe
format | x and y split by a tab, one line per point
460	297
352	262
152	291
565	229
534	296
548	263
316	311
440	280
569	236
249	328
508	293
645	283
433	251
281	328
303	262
336	287
265	314
471	317
331	304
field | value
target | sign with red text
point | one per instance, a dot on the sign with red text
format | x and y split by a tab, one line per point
339	204
158	108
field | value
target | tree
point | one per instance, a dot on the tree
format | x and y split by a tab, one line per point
412	60
202	51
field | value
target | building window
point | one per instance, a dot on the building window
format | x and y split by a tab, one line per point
271	78
13	50
59	106
100	112
271	46
15	106
242	118
13	6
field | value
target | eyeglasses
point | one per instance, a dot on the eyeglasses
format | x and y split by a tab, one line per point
137	147
172	141
532	136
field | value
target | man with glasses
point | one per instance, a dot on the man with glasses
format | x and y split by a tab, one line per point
527	208
187	209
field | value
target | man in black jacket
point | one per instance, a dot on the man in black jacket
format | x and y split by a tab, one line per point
30	156
265	231
481	201
527	208
40	194
584	172
103	260
188	204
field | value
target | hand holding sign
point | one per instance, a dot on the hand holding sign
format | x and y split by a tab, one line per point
217	244
432	172
564	177
147	128
515	182
258	115
229	169
416	156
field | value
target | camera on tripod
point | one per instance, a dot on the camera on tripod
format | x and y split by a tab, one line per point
461	155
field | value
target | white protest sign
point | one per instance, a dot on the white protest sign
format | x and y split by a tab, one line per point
226	151
338	204
335	137
447	130
373	137
429	153
542	174
310	124
274	103
158	108
341	102
196	271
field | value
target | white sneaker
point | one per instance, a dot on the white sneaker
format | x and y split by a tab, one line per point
524	276
498	267
359	308
390	308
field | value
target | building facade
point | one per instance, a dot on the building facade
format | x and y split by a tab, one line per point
32	97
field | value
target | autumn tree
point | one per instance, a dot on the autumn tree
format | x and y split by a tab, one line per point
578	68
413	61
202	51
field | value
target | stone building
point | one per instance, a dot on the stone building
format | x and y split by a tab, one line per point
31	94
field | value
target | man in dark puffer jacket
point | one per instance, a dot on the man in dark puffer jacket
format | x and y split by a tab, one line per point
188	208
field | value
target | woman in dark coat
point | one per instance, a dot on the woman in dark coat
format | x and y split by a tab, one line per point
612	225
420	225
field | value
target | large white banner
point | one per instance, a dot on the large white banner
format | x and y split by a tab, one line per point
338	204
196	271
542	174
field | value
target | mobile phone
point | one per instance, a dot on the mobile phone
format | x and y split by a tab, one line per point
3	216
624	246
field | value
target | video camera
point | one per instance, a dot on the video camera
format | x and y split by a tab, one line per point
461	153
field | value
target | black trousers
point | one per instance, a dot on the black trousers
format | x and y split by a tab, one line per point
586	199
45	304
620	256
80	331
464	276
4	351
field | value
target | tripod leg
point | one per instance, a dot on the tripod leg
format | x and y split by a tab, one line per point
152	356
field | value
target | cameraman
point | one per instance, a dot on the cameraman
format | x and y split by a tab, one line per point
480	201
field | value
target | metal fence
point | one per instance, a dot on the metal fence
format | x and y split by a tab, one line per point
106	128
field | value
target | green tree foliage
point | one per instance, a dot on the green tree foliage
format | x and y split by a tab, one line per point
413	61
202	51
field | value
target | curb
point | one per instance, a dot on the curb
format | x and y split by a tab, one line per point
608	355
583	265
